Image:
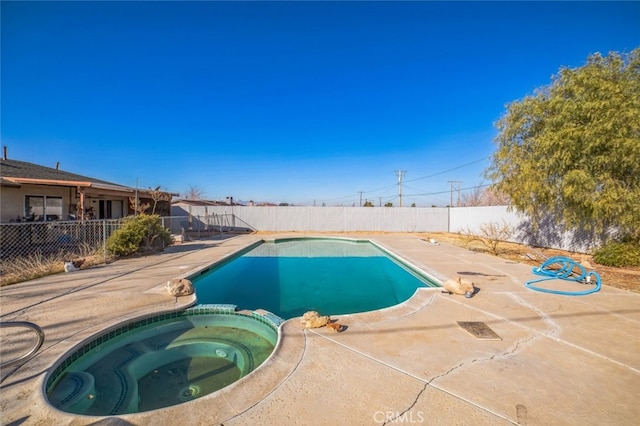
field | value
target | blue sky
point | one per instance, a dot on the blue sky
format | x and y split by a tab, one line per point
298	102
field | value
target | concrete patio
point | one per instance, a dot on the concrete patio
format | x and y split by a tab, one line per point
561	360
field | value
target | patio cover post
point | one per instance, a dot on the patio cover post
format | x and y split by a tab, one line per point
81	212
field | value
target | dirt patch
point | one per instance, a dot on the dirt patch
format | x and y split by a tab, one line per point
624	278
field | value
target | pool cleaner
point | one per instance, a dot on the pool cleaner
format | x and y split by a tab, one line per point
561	267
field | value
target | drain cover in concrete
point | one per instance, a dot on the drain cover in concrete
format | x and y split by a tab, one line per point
479	330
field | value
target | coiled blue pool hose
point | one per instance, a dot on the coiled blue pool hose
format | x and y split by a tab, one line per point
564	272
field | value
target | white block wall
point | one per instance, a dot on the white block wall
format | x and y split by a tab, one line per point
328	219
396	219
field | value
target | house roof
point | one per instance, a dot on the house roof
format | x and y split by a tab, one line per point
22	171
8	184
14	173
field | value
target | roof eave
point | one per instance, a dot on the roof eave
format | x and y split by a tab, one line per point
49	182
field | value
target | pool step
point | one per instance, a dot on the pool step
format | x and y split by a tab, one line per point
76	392
123	387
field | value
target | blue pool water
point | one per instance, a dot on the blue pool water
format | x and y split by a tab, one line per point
290	277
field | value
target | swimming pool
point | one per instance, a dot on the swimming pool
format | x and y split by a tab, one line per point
162	360
291	276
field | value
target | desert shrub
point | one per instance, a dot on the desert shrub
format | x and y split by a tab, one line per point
491	234
138	234
619	254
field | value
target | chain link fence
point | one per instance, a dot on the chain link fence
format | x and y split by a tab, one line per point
54	239
32	249
201	226
72	239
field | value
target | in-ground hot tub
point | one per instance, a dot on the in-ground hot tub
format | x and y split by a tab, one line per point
162	360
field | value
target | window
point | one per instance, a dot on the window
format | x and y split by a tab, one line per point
110	209
42	208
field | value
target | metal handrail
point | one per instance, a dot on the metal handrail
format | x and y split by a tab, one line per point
33	327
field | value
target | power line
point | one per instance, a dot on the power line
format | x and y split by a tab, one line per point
404	182
389	187
447	191
450	170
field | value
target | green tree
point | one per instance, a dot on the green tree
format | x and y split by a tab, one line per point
573	147
367	203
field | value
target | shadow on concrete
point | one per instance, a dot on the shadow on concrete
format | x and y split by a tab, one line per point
183	248
381	329
111	421
479	274
18	422
17	382
199	243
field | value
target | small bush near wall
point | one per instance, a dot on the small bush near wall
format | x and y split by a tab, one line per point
491	234
619	254
139	234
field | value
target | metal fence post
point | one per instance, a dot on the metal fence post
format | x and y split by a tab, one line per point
104	241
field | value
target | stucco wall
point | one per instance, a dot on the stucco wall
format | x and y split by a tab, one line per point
12	199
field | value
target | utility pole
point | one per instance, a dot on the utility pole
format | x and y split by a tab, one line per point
360	192
455	183
400	174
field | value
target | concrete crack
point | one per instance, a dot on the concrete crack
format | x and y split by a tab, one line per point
510	351
415	401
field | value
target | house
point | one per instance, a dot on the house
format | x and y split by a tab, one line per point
31	192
